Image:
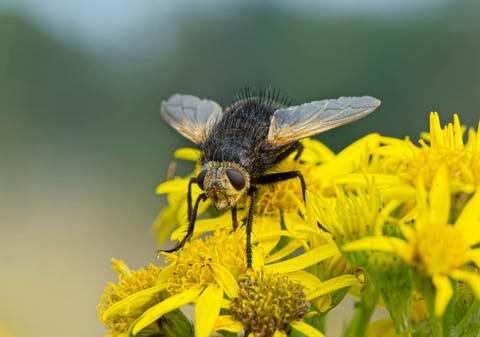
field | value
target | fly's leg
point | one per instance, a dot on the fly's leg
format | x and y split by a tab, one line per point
253	194
276	177
297	146
299	149
234	217
191	225
193	180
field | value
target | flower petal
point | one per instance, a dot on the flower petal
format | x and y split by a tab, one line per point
264	227
132	302
440	197
472	278
207	310
187	153
225	279
474	256
381	243
304	260
443	294
285	251
330	285
228	323
468	221
306	329
171	303
176	185
307	280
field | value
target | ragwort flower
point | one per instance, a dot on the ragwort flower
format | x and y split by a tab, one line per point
437	250
118	312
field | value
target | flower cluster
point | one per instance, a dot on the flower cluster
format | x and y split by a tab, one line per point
394	223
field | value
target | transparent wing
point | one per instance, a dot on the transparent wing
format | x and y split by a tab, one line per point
191	116
297	122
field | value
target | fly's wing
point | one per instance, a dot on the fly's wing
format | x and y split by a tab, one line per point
297	122
191	116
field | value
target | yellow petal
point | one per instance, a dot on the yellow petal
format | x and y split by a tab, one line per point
304	260
330	285
228	323
306	329
322	303
440	197
121	267
263	227
186	153
295	224
347	159
285	251
279	333
171	303
474	256
132	302
207	310
363	179
225	279
165	274
443	294
468	222
380	243
472	278
176	185
316	151
307	280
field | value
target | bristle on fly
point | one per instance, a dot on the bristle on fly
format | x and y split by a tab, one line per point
265	96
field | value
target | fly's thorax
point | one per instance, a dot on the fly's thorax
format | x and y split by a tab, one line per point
225	183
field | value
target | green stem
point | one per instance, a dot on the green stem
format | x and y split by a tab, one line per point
397	301
362	312
435	322
428	290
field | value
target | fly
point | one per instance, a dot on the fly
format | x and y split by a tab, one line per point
240	144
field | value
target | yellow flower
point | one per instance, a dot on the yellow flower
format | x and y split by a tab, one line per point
208	273
131	283
352	214
267	303
202	272
436	249
440	147
271	303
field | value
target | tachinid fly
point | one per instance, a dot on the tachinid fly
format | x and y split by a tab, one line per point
244	142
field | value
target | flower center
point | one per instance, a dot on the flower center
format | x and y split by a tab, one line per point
463	166
441	249
268	302
192	264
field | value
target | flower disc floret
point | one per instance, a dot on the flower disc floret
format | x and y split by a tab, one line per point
268	302
191	265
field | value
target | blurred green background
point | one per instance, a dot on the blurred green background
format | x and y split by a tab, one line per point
82	145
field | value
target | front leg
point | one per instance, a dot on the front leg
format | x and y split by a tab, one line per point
193	180
191	226
253	194
234	218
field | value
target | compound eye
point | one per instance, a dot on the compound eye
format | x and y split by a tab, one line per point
201	179
236	179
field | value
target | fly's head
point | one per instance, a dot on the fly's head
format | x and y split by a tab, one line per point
225	183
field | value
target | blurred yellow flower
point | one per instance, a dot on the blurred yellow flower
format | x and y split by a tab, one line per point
435	248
